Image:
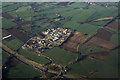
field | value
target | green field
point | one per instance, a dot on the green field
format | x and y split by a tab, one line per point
61	56
33	56
9	6
0	58
23	12
88	49
8	23
6	4
100	23
83	28
107	68
102	12
43	16
14	44
22	70
114	38
87	29
5	56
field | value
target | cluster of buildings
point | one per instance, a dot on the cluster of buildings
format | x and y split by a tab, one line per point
53	37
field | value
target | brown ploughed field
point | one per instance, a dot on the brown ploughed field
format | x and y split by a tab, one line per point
99	55
79	38
70	46
6	15
20	35
103	34
74	41
95	41
114	25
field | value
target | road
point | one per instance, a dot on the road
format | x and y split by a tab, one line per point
32	63
22	58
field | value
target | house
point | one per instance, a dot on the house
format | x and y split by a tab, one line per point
54	39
